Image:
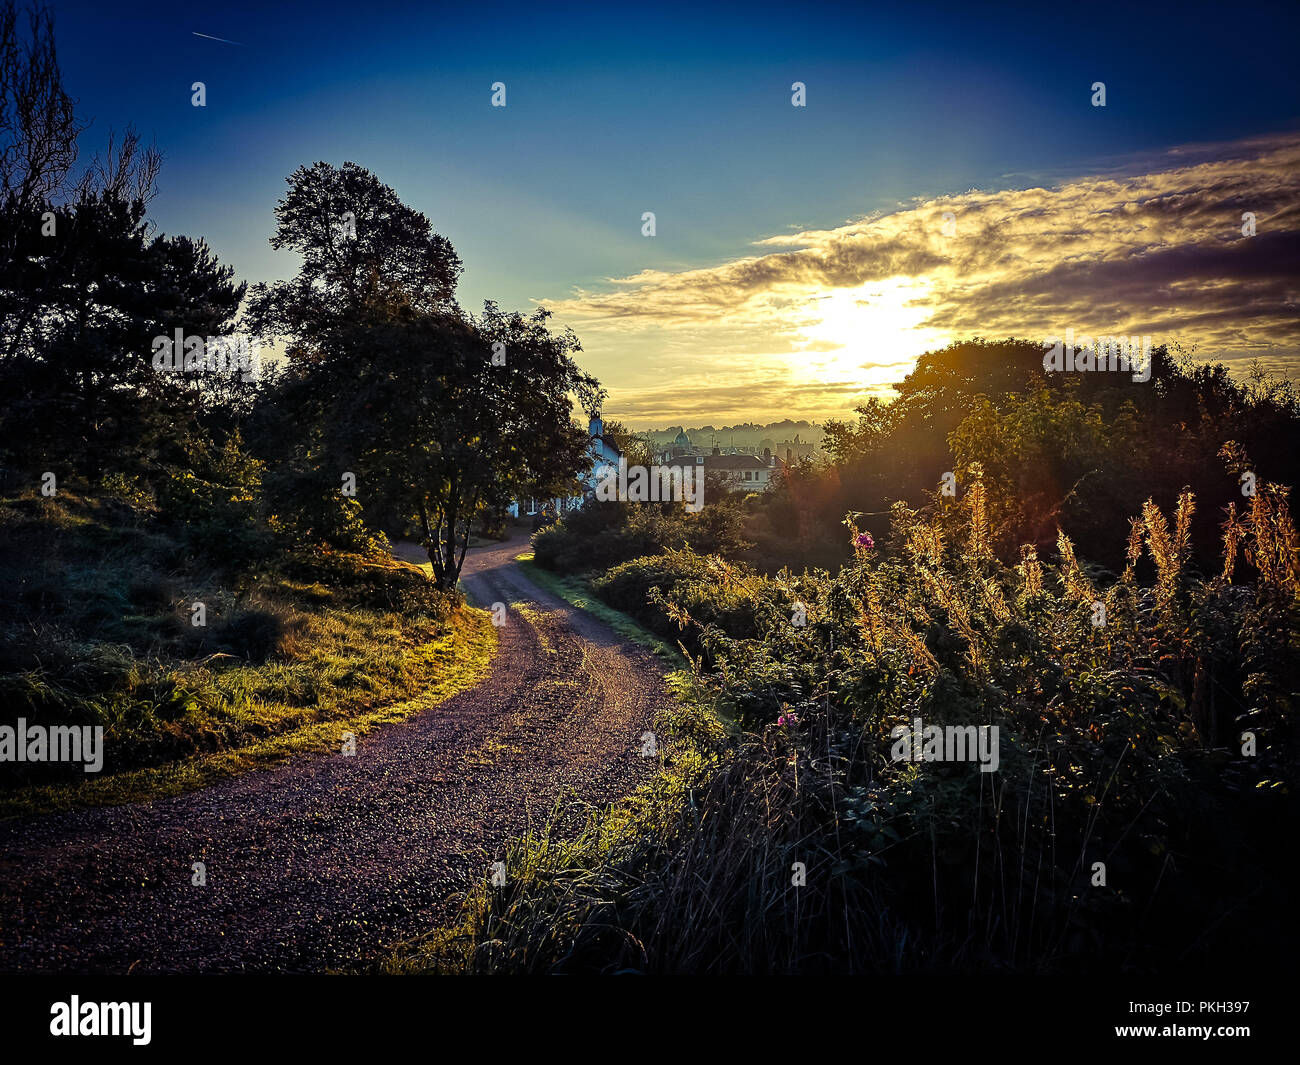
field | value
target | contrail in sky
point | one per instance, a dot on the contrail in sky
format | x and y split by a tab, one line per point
211	38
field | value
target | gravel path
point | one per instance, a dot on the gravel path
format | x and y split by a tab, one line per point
323	862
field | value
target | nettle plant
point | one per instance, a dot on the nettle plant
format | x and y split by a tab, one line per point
1047	641
1121	702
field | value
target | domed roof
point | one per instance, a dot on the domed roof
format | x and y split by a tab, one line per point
682	439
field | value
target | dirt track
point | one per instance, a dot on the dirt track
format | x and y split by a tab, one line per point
321	863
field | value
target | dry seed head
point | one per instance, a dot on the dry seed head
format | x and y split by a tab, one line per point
1031	571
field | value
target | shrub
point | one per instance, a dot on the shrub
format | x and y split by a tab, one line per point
1120	743
602	534
251	634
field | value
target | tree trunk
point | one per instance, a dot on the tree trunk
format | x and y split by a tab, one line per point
441	536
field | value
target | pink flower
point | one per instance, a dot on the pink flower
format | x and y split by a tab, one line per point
865	542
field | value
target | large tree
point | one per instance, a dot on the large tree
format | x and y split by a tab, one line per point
82	385
38	120
436	414
363	252
85	285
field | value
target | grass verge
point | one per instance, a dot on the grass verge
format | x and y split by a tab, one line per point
575	591
102	629
460	658
568	899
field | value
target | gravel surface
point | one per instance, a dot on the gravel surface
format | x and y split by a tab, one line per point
324	862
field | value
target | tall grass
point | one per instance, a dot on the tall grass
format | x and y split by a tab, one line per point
1130	826
98	631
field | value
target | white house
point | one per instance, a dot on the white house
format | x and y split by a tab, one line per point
738	472
602	452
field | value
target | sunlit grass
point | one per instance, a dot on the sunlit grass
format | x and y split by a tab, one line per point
287	663
575	591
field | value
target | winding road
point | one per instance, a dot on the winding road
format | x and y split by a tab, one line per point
326	861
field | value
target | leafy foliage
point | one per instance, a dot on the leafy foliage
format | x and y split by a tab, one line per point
1119	743
601	534
440	416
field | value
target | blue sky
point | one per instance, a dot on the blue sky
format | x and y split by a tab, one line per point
681	110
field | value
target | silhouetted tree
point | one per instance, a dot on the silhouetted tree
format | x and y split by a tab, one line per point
363	252
1082	449
85	286
436	414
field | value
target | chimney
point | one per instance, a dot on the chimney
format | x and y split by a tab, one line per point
716	451
767	455
789	456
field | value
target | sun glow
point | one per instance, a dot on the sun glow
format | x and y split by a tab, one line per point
871	334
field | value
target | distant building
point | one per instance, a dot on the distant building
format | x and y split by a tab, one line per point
796	449
601	452
739	471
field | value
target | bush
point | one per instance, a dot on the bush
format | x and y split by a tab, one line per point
685	596
354	581
308	514
251	634
602	534
1119	743
627	586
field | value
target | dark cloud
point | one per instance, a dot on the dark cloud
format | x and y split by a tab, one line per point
1158	252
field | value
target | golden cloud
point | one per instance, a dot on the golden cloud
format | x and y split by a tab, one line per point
836	314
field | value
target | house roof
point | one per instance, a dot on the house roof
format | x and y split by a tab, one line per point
723	462
734	462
